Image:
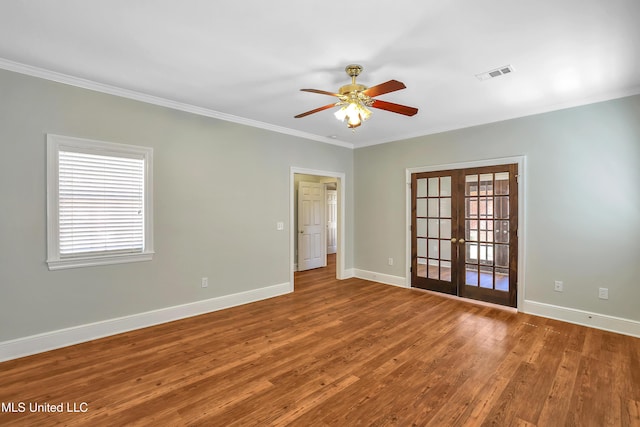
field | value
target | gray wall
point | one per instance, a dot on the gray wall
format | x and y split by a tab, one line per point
219	189
582	199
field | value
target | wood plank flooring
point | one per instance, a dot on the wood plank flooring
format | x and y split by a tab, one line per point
339	353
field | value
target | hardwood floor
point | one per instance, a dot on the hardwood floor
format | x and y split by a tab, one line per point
338	353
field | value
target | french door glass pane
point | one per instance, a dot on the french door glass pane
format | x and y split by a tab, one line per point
502	207
422	188
422	248
471	275
502	279
433	187
471	230
422	267
486	184
471	207
502	183
445	229
471	185
421	227
486	231
433	249
502	232
445	249
471	252
486	254
433	271
445	208
502	255
486	207
445	186
445	271
486	277
421	207
433	227
433	209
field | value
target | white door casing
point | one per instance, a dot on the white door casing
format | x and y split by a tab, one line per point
341	185
311	228
332	221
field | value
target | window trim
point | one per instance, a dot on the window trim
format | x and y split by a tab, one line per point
57	143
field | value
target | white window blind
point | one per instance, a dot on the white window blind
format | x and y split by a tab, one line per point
101	201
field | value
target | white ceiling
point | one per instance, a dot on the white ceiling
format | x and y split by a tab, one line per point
246	60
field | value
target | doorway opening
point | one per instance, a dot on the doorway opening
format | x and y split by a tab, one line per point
317	221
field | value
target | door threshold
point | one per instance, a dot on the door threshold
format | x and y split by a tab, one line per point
470	300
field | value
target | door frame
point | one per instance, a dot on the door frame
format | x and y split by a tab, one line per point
340	177
522	173
326	219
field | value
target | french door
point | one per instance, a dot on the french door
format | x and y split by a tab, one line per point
464	225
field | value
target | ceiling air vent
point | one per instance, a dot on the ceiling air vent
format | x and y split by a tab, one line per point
506	69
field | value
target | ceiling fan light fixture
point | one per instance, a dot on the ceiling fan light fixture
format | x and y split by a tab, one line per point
354	99
353	112
341	114
353	122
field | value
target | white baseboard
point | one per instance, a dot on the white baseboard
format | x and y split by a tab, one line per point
585	318
565	314
348	274
387	279
26	346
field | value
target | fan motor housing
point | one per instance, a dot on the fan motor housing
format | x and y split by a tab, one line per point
354	87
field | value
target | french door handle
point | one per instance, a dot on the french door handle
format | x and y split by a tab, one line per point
454	240
461	241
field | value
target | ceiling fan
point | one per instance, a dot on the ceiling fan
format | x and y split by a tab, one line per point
354	99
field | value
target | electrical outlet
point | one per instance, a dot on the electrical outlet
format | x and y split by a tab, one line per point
558	286
390	261
603	293
205	282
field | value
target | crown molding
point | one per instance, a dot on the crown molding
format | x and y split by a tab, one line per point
42	73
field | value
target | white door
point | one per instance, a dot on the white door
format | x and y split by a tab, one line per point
311	229
332	221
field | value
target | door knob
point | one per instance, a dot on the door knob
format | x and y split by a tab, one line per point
453	240
461	241
301	231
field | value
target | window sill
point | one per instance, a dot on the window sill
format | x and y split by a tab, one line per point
62	264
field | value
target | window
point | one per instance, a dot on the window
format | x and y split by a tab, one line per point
99	203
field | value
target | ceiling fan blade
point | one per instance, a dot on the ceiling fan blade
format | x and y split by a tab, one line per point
382	88
394	108
321	92
325	107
